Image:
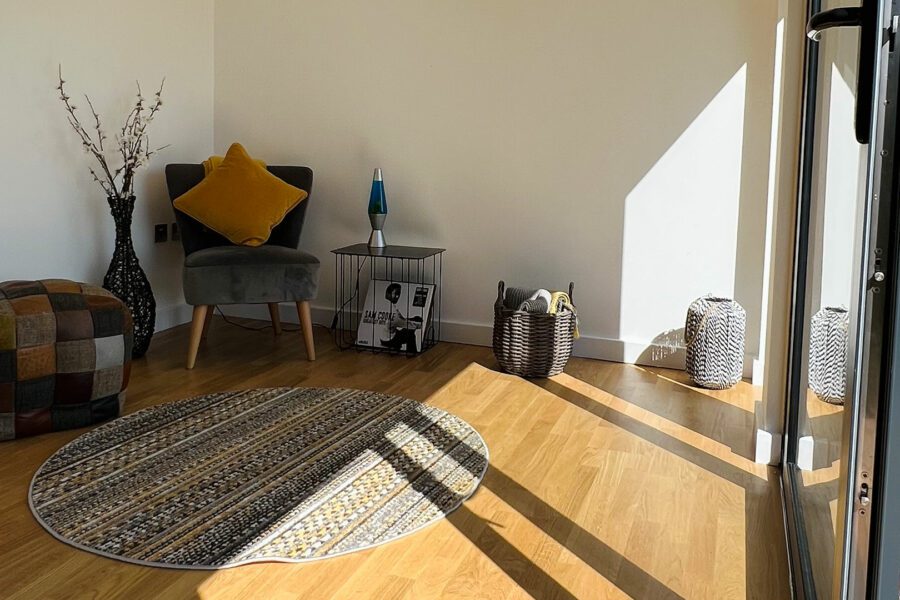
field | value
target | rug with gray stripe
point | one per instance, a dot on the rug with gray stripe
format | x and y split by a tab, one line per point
279	474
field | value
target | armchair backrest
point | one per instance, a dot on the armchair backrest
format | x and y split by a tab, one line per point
196	236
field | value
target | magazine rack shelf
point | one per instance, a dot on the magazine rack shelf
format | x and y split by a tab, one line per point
359	270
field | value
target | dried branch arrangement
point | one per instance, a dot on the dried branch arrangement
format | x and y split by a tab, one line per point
132	142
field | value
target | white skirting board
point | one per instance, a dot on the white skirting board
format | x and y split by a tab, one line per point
806	452
813	454
480	334
171	316
768	447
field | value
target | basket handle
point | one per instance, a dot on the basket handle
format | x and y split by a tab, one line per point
571	291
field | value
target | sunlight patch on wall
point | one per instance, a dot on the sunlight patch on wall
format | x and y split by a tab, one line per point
681	220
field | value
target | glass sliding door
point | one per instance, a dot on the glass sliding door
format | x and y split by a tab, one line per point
834	215
845	246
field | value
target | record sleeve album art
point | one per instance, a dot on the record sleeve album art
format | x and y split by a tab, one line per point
396	315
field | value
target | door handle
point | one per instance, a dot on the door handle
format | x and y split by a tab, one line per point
850	16
866	18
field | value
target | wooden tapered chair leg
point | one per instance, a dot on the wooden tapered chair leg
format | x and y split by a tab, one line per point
276	318
306	325
206	322
200	312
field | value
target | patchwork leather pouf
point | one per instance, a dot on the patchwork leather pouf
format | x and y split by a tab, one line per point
65	356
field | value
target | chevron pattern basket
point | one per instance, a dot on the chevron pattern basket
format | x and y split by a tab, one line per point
714	339
828	334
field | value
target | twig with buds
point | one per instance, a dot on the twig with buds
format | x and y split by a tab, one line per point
132	141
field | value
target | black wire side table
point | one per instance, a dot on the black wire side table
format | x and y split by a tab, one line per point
358	266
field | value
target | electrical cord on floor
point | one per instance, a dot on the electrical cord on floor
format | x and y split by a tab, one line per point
263	327
352	296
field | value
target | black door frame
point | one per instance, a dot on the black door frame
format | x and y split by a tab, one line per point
798	547
883	574
870	553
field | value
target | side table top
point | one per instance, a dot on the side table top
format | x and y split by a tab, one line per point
413	252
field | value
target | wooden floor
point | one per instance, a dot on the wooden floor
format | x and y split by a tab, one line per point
606	481
819	488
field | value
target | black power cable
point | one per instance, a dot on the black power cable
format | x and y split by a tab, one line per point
263	327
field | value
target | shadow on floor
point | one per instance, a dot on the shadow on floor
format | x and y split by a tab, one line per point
762	499
608	563
673	397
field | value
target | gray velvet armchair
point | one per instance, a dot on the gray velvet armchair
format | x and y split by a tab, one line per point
218	272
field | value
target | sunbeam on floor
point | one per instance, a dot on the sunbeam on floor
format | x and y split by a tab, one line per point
607	481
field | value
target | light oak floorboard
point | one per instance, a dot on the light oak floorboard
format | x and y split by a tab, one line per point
607	481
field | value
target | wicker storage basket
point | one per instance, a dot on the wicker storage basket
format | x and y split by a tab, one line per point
828	336
714	342
532	344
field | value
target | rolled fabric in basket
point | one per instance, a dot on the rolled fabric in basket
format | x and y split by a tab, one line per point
514	296
535	305
560	300
539	302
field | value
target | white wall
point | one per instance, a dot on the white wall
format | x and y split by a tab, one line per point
622	145
54	221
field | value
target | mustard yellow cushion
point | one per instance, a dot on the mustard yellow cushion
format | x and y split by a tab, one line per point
211	163
240	199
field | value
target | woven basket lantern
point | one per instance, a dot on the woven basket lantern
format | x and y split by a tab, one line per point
828	334
714	338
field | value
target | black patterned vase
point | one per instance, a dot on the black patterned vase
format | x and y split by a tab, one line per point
126	279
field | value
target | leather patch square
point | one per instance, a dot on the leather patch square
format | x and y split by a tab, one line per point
106	408
73	388
67	302
31	305
92	291
7	397
129	343
107	382
77	356
34	422
74	325
7	426
7	365
35	362
108	321
61	286
126	373
35	394
110	352
70	416
106	300
35	330
7	326
17	289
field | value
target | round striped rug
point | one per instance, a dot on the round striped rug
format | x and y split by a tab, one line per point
284	474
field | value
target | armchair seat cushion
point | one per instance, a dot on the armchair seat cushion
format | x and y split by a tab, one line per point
250	275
